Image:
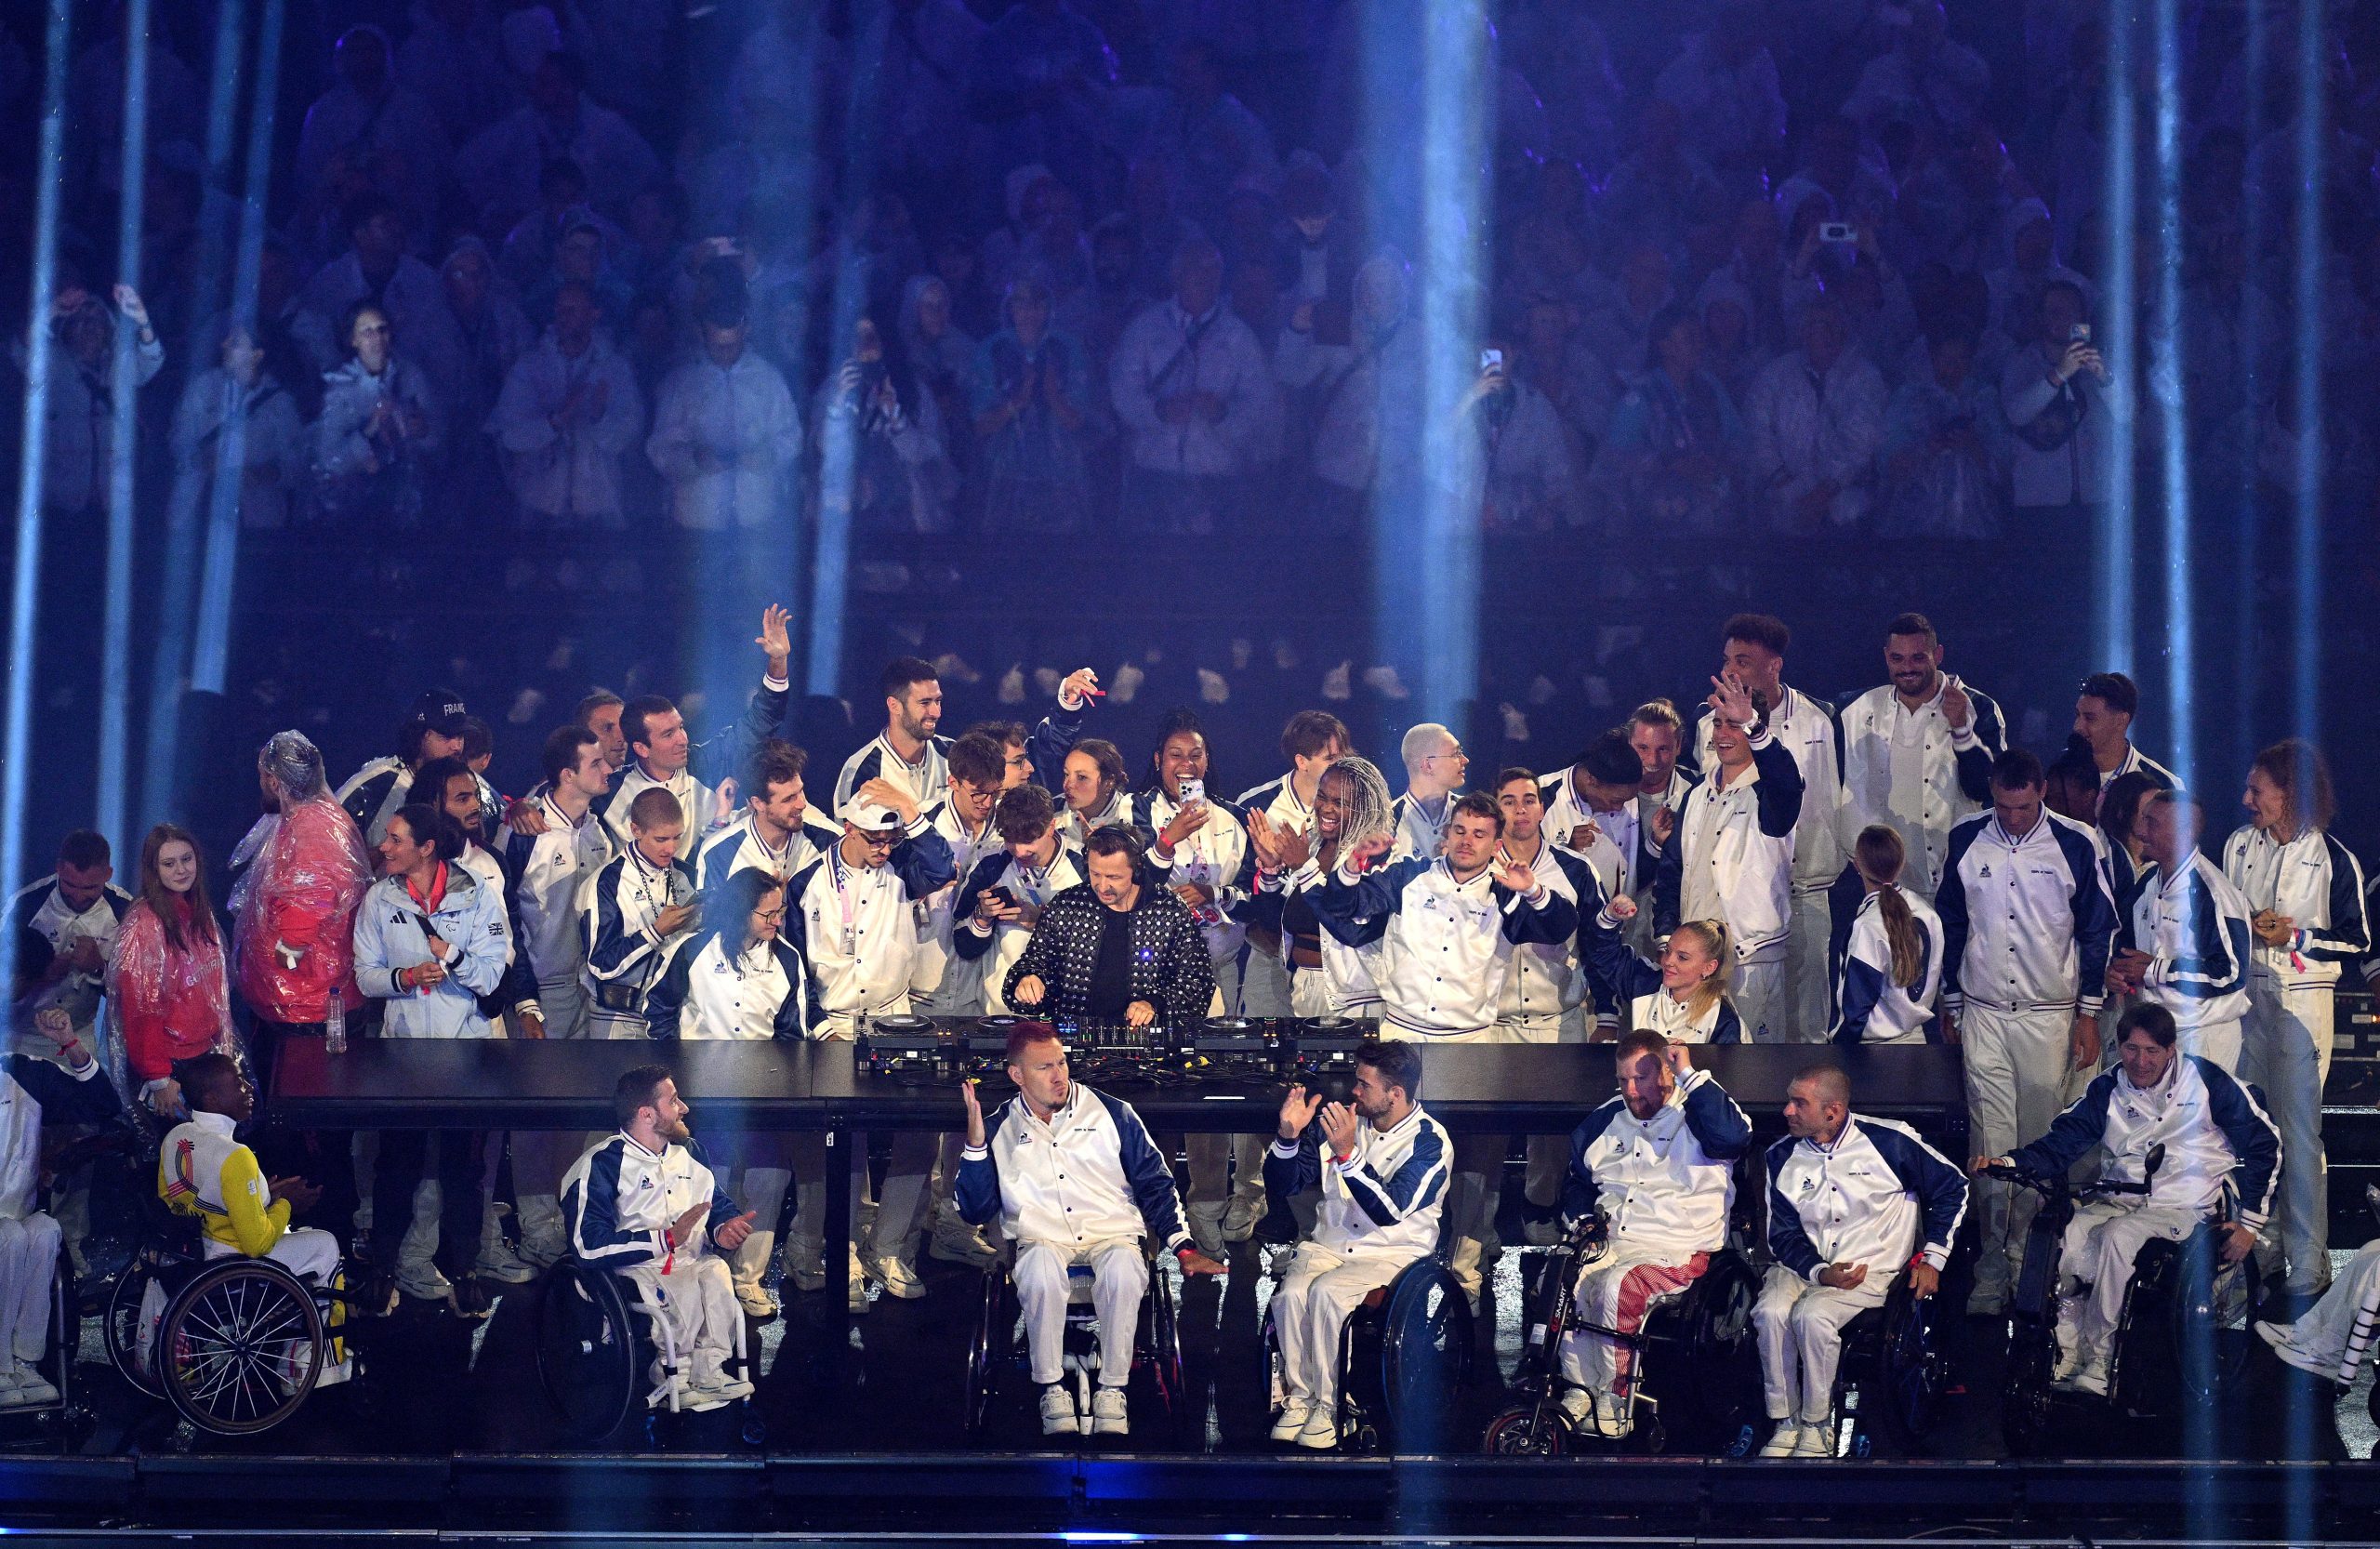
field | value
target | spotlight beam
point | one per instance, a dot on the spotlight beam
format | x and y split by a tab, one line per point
115	641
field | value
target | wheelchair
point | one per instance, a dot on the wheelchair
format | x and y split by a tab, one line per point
1710	1404
235	1345
598	1338
997	1346
2182	1338
1891	1378
1403	1354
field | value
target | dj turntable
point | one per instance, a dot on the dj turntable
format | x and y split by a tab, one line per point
951	1047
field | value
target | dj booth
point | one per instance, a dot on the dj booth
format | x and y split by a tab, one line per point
903	1074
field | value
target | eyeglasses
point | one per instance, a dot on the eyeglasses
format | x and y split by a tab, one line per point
769	917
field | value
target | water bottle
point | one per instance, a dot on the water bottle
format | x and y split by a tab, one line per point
335	1027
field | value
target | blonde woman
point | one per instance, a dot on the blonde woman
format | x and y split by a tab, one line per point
1891	965
1684	996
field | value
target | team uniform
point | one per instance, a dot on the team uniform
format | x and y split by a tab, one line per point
2135	762
33	1091
1663	1187
2285	1049
1267	969
2211	1129
42	928
1875	1197
1911	771
1446	946
2026	924
1731	859
2194	927
618	907
1377	1213
739	847
927	780
1809	729
1340	979
764	713
619	1202
945	982
1086	1186
1418	832
373	794
548	872
1872	1008
1635	983
995	949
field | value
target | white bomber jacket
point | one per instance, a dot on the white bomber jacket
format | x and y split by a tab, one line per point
1731	856
1864	1199
1384	1198
1665	1182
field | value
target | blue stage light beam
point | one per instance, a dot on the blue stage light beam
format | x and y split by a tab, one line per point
25	596
211	650
2248	547
2118	620
2312	102
185	526
115	640
2167	390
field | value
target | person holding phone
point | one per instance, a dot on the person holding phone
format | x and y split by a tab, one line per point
2064	405
1002	903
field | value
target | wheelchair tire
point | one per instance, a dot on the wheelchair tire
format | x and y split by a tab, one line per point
120	1327
1161	1334
1908	1371
1424	1354
591	1358
2028	1405
1528	1431
1703	1368
2163	1363
222	1338
986	1352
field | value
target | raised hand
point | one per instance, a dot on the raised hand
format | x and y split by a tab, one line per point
722	803
1339	1128
55	1024
730	1234
1665	823
1081	687
1732	700
776	637
1621	907
1360	858
128	302
1187	821
1511	876
1298	1110
975	1112
884	793
1957	709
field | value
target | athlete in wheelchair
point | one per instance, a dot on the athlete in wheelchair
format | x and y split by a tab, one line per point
71	1089
647	1224
1646	1205
1080	1190
1851	1200
238	1328
2180	1135
1364	1303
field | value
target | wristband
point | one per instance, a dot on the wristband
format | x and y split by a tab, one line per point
1340	1159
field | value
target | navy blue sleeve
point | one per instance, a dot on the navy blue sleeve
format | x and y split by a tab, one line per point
1375	895
793	1012
963	939
1719	1126
1940	1189
1669	874
2346	938
2253	1137
1610	965
2095	915
1778	793
590	1208
65	1097
1788	1243
1552	923
1580	1192
1300	1169
665	1000
1051	742
1415	1185
722	1204
924	863
976	1189
1857	986
1950	903
1146	1171
2071	1133
1991	740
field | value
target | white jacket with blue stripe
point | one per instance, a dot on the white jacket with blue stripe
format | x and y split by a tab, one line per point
2026	922
1384	1198
2194	927
2209	1124
1864	1199
1870	1007
2315	881
618	1200
1089	1175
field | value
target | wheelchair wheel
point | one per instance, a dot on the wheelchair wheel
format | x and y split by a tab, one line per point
1703	1368
121	1328
1425	1353
2188	1326
1908	1371
590	1358
1161	1332
995	1328
1528	1431
2027	1402
239	1347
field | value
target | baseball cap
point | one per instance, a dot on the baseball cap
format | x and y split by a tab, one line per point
870	818
440	709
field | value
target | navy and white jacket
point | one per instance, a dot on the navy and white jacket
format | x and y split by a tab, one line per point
1663	1183
1089	1174
2026	922
548	872
2211	1128
1550	977
1628	976
1809	731
517	991
1935	777
738	847
1217	857
856	927
41	926
373	794
1623	855
2137	762
1417	835
927	781
710	990
719	754
619	904
2315	881
1731	856
391	934
32	1089
1384	1198
619	1199
1868	1007
1349	969
938	958
1446	946
998	947
1862	1200
2194	927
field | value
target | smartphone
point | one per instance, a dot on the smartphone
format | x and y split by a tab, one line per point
1837	231
1491	360
2079	334
1001	895
1193	792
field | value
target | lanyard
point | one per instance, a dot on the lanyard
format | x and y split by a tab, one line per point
848	906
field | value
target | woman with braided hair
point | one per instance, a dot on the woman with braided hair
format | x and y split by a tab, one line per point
1350	805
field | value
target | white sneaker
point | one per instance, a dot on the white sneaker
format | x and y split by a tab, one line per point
2282	1337
1292	1419
957	1242
1580	1405
857	1300
1321	1431
1615	1417
1814	1441
1239	1220
1058	1418
897	1278
30	1389
733	1387
499	1262
806	1270
1107	1416
756	1302
1783	1442
2092	1380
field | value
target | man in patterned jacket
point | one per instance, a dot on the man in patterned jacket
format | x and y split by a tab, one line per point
1114	949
